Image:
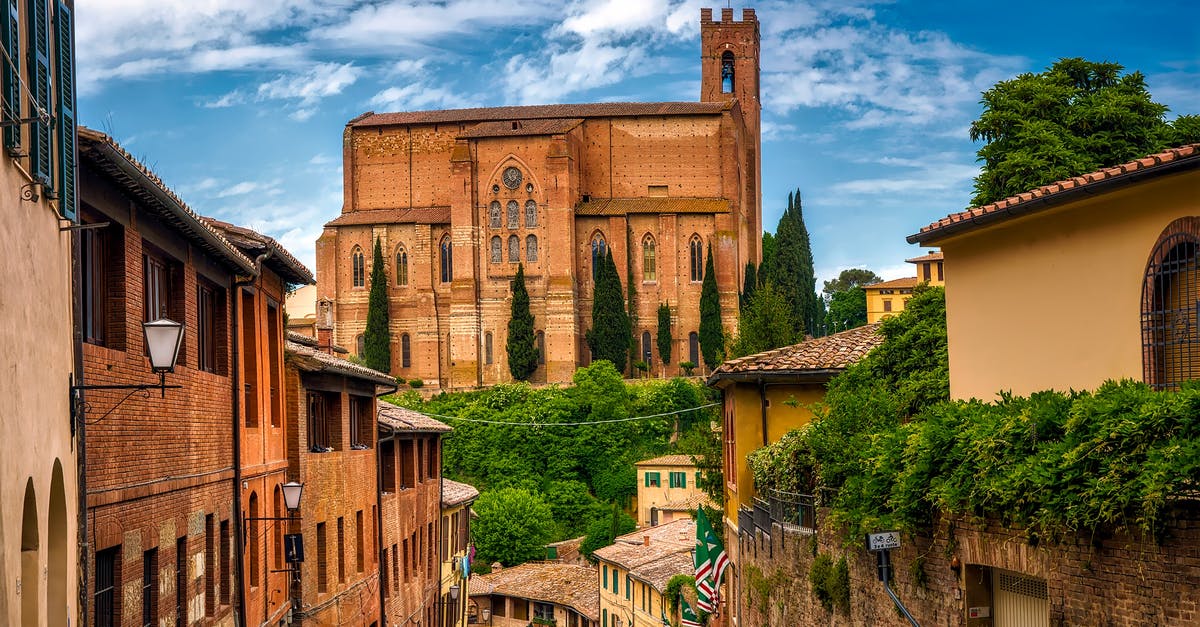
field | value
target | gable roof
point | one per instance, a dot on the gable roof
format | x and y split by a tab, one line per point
652	554
1057	193
933	256
818	359
534	112
908	281
577	587
668	460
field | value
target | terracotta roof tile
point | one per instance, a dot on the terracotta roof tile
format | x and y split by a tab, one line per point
457	493
933	256
668	460
577	587
254	243
521	128
691	503
410	215
624	206
403	419
1152	165
822	354
310	359
657	561
534	112
901	283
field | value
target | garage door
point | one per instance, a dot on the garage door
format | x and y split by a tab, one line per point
1020	601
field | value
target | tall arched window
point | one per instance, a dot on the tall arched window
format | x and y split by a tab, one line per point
727	73
1170	304
647	347
401	266
514	215
447	259
599	250
358	265
531	248
514	249
494	214
696	258
530	214
487	347
541	346
497	249
405	351
694	348
254	545
649	264
277	528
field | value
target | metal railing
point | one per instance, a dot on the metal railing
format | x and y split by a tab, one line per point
792	510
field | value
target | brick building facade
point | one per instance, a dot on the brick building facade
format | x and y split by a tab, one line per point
459	198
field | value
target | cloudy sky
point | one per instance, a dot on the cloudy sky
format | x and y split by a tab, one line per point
240	104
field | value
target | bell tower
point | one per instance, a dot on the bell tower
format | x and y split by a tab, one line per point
729	71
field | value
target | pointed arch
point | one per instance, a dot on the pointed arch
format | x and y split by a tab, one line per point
531	217
358	267
599	250
487	348
696	258
649	258
401	265
254	565
497	249
513	212
446	255
405	351
494	214
277	528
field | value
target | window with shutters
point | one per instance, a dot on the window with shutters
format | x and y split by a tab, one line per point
274	357
249	335
494	219
11	81
102	284
678	480
514	249
401	266
323	415
531	220
497	248
162	293
322	567
387	465
362	422
358	267
358	529
64	124
531	248
37	79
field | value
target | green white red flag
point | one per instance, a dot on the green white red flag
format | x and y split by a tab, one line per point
688	615
711	562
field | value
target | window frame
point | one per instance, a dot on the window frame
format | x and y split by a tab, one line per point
211	310
405	350
446	259
1170	314
649	259
401	266
531	248
696	259
358	268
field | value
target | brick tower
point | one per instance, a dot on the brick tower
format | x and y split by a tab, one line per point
729	69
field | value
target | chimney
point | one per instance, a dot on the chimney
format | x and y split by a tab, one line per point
497	567
646	540
325	325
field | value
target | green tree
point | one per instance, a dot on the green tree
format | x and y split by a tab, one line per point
603	532
665	340
573	507
749	284
1187	130
1075	117
377	338
765	324
609	336
513	526
712	334
768	256
847	310
849	279
791	269
522	350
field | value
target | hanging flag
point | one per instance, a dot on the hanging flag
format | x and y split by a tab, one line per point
711	562
688	615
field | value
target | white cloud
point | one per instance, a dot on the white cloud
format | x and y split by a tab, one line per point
248	187
418	96
322	80
404	24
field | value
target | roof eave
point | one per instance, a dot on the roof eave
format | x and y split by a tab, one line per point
721	380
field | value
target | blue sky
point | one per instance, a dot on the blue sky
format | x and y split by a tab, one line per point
239	105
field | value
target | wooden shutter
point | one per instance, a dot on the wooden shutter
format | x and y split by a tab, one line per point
39	85
11	39
64	45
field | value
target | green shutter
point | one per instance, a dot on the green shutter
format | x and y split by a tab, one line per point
627	587
39	84
683	479
646	479
64	44
11	37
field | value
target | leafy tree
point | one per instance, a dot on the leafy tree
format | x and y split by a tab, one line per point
847	310
664	334
850	279
1075	117
513	526
749	284
609	336
765	324
522	350
377	338
604	532
791	268
712	334
573	507
1187	130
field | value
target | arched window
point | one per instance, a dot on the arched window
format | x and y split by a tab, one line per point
401	266
694	348
494	214
599	249
405	351
727	73
359	345
649	264
647	347
447	259
530	214
514	249
497	249
487	347
253	533
277	528
696	258
359	267
1170	304
514	215
541	346
531	248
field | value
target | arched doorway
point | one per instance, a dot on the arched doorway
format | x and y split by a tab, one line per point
57	609
29	557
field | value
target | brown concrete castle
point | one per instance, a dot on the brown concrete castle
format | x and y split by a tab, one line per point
459	197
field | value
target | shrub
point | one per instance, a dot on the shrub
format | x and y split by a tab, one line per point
687	367
416	383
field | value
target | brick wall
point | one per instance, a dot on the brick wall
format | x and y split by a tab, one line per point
411	527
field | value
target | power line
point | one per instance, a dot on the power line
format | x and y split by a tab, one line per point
564	424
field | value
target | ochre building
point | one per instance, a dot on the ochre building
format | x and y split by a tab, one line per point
459	198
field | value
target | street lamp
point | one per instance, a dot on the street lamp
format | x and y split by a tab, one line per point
291	495
163	338
293	543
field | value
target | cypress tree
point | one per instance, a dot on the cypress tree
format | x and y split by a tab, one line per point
712	335
609	336
749	285
522	351
791	269
377	339
664	333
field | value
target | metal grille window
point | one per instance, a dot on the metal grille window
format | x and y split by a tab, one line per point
1171	307
530	214
150	588
107	574
514	214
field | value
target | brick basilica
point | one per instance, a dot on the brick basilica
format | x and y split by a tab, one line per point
458	198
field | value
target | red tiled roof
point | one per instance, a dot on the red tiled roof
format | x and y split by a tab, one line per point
309	359
577	587
251	241
1175	159
934	256
521	128
404	419
668	460
457	493
410	215
623	206
656	562
534	112
817	356
908	281
688	504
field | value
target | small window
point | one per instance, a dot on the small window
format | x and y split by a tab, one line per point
514	214
487	347
656	191
514	249
531	248
696	258
678	480
653	480
108	574
387	465
494	214
447	259
102	285
599	251
727	72
362	423
531	220
940	275
646	347
322	569
543	611
694	348
405	351
341	549
210	326
323	418
649	263
401	266
541	347
497	249
360	344
150	588
887	304
358	266
498	606
927	269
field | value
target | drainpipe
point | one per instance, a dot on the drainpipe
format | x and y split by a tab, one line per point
80	429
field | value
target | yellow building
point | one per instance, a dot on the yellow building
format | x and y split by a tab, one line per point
634	571
1077	282
535	593
889	298
765	396
668	489
456	540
